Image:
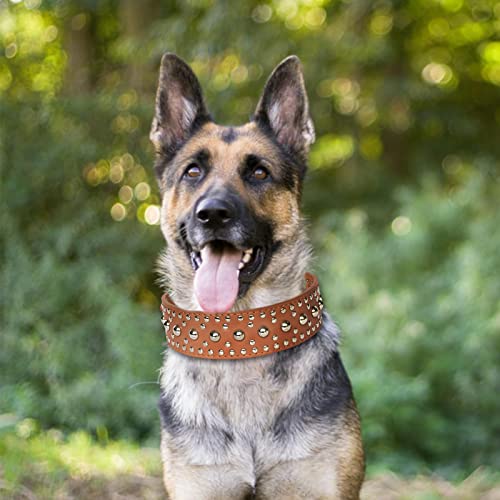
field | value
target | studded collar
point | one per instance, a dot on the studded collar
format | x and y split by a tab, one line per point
244	334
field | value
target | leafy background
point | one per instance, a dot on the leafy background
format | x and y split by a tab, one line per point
402	196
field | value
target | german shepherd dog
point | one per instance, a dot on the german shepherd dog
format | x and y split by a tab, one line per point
284	425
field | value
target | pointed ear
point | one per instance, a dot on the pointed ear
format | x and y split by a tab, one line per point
179	104
284	107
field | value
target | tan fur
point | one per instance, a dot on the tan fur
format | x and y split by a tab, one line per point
244	399
226	158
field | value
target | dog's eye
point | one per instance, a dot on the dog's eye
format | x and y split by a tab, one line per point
192	171
260	173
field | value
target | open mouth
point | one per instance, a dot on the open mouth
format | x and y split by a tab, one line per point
250	262
223	272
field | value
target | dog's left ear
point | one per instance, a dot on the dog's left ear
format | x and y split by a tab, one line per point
179	104
284	107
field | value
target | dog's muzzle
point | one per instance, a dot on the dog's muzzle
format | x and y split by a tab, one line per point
228	246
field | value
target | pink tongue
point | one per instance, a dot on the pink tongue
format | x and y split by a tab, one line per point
216	281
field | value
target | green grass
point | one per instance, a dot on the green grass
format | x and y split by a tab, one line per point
48	465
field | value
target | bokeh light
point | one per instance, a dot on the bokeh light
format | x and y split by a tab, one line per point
118	212
152	215
401	225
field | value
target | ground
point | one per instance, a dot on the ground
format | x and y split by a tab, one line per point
47	465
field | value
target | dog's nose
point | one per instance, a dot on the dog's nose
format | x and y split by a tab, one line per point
214	212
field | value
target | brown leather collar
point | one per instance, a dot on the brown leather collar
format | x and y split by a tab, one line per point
244	334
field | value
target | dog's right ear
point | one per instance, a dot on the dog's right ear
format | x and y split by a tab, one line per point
284	108
179	105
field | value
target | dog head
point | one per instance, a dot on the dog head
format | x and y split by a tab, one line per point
230	195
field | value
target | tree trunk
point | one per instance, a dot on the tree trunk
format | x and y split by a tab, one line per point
136	18
78	44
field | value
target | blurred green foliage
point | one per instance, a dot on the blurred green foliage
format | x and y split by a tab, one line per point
419	302
403	195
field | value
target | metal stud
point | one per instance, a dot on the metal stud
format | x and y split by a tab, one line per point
275	337
240	317
262	314
273	320
294	340
283	310
191	349
227	318
252	342
200	351
273	312
255	350
250	324
183	323
177	330
210	352
188	317
231	352
196	317
221	352
276	346
315	311
302	336
285	342
203	326
228	344
183	347
266	348
205	343
165	322
185	341
224	326
243	351
193	334
214	336
238	335
291	307
285	326
299	303
251	317
217	318
263	332
302	319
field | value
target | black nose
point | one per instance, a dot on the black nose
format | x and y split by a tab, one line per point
215	212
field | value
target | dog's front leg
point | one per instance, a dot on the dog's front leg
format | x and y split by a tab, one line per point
205	483
184	481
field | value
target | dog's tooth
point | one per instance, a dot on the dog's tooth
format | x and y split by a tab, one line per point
249	251
241	265
246	258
